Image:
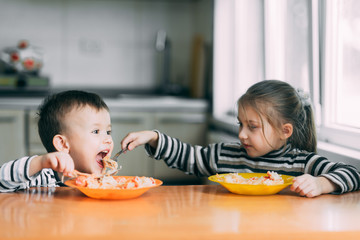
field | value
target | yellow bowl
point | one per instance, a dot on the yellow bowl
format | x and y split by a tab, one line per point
114	194
248	189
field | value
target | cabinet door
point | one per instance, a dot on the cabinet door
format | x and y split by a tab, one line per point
12	135
35	145
135	162
187	127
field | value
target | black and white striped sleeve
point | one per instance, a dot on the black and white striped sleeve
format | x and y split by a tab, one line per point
14	175
196	160
343	175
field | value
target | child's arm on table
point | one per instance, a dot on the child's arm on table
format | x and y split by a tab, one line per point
34	171
310	186
324	176
135	139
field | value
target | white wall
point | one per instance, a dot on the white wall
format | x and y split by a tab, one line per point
106	43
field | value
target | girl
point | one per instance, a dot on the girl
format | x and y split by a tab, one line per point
276	132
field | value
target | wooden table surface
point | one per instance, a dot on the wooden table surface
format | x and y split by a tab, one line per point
178	212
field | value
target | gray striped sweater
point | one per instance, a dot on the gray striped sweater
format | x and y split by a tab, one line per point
231	157
14	175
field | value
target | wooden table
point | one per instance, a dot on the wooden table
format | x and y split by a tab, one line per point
178	212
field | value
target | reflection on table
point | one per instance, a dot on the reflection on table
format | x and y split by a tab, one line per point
174	212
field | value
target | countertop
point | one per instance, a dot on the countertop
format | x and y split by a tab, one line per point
129	103
178	212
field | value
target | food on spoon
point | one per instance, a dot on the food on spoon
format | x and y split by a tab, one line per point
272	178
110	166
110	182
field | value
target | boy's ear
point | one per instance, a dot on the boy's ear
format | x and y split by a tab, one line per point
60	143
287	131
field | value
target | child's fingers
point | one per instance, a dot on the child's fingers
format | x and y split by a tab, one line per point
306	186
296	183
132	145
305	190
69	165
127	141
299	184
62	162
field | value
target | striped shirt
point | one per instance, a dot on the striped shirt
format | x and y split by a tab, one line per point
14	175
232	157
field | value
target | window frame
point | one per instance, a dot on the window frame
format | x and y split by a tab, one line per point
328	131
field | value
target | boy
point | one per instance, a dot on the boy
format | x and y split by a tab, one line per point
75	128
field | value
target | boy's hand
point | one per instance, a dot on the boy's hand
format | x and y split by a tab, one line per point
310	186
58	161
134	139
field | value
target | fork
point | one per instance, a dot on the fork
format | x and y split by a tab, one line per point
115	158
118	154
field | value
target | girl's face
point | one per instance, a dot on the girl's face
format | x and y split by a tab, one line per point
256	141
88	135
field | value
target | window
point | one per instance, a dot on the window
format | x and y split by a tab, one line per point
238	52
340	72
256	40
313	45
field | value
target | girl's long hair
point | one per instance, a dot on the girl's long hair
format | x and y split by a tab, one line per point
280	103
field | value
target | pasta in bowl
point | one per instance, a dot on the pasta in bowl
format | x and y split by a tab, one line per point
253	183
113	187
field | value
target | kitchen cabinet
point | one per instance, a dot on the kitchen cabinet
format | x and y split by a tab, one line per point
135	162
187	127
35	147
185	119
12	138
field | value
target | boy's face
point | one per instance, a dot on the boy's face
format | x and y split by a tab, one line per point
256	141
88	134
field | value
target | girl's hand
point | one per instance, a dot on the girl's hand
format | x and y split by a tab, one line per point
310	186
58	161
134	139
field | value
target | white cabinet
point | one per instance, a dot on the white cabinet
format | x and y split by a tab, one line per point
188	128
184	119
135	162
12	138
35	146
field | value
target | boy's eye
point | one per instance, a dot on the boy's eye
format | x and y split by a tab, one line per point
96	131
108	132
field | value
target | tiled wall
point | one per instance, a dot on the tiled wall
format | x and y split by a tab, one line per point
106	43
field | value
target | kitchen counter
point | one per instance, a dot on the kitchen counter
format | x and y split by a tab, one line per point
177	212
128	103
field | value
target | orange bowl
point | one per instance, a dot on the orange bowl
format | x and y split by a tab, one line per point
115	194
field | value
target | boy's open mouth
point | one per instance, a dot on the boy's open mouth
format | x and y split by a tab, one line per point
100	156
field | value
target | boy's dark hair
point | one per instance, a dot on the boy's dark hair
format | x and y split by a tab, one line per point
54	108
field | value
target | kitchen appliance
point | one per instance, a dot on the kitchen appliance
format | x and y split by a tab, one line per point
163	47
20	71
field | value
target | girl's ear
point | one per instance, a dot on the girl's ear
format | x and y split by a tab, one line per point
60	143
287	131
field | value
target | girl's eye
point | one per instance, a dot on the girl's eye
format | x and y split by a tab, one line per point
96	131
252	127
108	132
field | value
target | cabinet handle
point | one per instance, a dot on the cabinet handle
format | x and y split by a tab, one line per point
126	120
7	119
182	120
